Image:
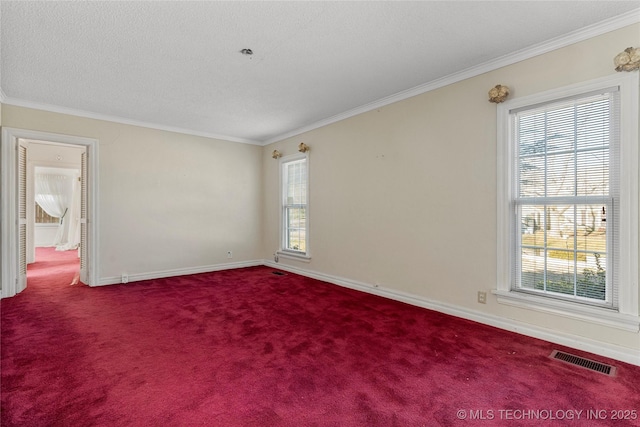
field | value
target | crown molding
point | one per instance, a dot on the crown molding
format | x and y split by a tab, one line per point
98	116
582	34
608	25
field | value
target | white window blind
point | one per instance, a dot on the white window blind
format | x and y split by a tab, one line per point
566	198
294	213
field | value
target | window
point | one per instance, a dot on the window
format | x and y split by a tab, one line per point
44	218
295	224
565	187
568	193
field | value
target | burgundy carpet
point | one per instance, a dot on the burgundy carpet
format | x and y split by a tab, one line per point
250	348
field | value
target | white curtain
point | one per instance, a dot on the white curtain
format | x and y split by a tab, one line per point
58	196
73	232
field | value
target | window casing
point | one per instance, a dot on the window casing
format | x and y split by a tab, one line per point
294	202
568	199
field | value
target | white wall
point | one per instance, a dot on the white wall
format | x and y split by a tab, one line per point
404	197
44	235
167	202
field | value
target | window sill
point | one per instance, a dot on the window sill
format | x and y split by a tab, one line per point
597	315
293	255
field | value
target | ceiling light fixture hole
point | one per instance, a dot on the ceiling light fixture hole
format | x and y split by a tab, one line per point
247	52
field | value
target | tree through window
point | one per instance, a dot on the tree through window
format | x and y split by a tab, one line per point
565	194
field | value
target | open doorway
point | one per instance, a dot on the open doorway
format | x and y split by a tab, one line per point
18	202
53	195
54	212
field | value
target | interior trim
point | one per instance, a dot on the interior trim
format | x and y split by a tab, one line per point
136	277
625	354
600	28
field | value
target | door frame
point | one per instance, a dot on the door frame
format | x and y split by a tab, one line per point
31	176
9	203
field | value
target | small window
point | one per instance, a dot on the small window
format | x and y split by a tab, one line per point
44	218
295	224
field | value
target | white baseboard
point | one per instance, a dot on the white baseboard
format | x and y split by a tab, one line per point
612	351
179	272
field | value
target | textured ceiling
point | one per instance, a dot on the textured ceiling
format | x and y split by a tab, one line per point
178	64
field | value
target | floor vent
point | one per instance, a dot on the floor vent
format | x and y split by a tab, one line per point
278	273
592	365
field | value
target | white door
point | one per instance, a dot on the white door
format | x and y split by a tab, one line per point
22	216
84	265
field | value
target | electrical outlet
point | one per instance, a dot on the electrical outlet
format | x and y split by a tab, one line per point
482	297
229	254
124	278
